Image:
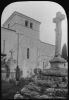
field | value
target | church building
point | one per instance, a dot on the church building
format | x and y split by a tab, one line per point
21	34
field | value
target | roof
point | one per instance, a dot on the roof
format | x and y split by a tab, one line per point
46	43
8	29
19	14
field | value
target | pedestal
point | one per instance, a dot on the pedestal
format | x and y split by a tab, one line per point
57	62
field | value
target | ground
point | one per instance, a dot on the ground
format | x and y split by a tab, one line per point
9	89
42	87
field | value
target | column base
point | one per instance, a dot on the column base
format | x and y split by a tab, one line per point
57	62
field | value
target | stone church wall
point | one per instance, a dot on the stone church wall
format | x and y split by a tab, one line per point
25	30
39	52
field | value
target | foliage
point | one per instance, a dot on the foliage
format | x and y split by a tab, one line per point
10	88
37	71
12	81
29	88
64	52
60	92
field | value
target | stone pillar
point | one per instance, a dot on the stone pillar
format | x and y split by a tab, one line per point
58	20
57	61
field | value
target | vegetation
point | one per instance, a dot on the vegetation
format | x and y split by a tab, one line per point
44	88
10	88
31	88
64	52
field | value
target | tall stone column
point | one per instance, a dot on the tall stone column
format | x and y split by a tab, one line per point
58	61
58	20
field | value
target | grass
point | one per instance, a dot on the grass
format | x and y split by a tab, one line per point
9	89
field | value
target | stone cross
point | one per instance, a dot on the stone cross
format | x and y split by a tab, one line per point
58	20
11	51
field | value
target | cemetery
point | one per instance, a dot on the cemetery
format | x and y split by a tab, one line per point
49	83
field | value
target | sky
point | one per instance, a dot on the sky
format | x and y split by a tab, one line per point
43	11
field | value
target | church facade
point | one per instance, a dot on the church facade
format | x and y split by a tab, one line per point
33	53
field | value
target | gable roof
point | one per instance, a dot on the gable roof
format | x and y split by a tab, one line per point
19	14
8	29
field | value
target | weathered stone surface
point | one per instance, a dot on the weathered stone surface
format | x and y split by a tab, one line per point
50	90
25	91
63	85
33	87
31	90
34	94
58	97
43	82
44	97
34	90
53	72
18	96
58	59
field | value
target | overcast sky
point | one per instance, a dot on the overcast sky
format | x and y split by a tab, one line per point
42	11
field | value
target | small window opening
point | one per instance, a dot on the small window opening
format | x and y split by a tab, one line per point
27	53
31	25
26	23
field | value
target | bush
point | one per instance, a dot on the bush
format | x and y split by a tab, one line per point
11	81
6	86
64	52
61	92
8	90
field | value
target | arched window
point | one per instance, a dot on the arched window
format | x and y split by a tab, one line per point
27	53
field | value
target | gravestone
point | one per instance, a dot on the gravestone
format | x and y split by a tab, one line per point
12	52
58	61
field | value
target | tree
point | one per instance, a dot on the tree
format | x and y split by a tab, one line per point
64	52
